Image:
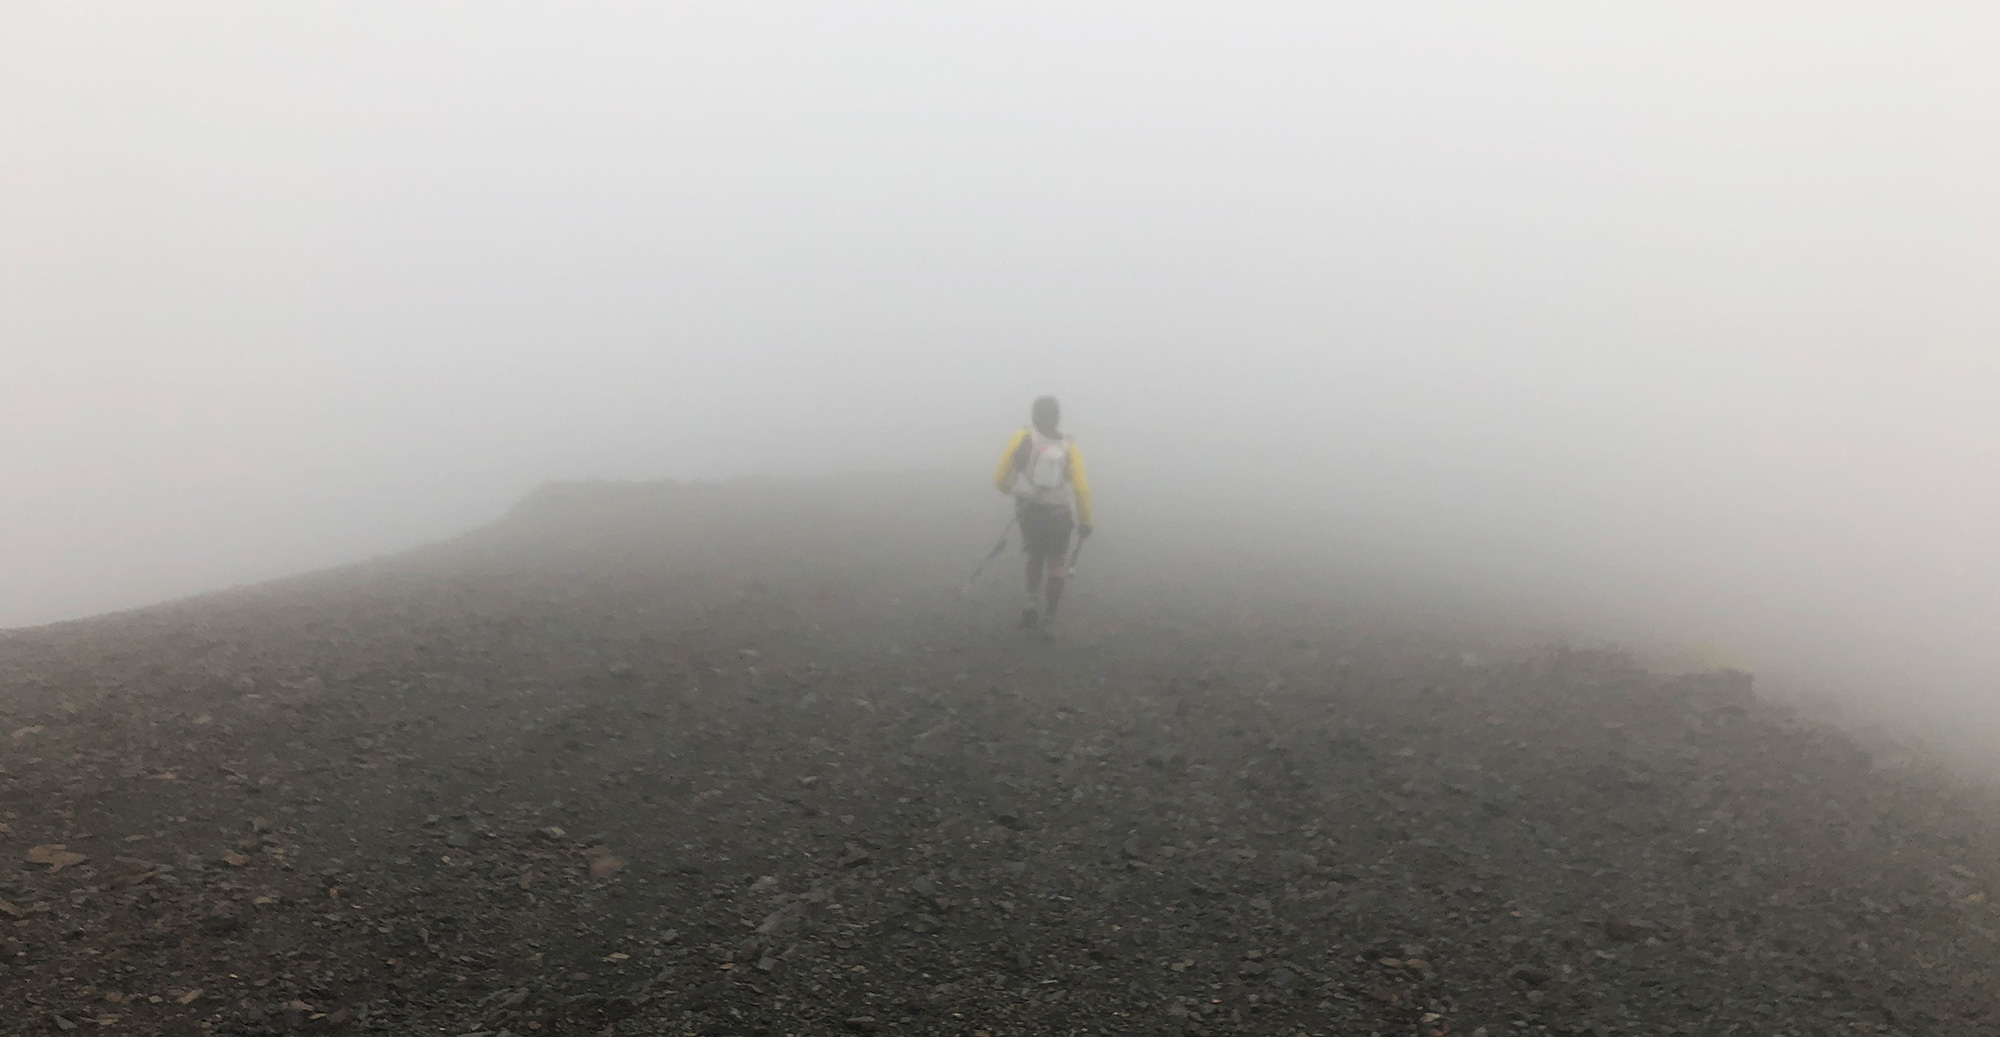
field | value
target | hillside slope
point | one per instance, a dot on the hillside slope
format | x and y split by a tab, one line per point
736	760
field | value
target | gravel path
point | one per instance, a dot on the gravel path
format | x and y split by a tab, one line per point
659	767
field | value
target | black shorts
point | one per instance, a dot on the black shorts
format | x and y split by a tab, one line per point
1045	530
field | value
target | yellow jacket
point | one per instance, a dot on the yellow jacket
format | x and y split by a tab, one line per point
1015	457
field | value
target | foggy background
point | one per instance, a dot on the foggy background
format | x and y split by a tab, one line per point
1675	321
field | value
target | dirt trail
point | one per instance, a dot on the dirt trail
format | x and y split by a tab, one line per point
726	761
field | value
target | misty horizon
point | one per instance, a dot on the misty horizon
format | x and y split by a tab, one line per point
1680	322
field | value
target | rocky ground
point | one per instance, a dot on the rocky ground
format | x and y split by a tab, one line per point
736	761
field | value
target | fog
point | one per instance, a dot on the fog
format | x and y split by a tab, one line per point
1673	322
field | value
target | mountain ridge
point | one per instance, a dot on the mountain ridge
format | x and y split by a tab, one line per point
738	759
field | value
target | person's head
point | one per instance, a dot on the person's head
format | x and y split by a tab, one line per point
1047	415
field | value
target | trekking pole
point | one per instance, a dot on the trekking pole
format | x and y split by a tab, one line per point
990	555
1075	553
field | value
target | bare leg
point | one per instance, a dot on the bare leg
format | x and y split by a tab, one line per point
1030	618
1057	574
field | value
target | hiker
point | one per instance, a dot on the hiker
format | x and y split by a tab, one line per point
1043	471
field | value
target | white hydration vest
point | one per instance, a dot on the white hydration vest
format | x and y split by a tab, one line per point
1044	479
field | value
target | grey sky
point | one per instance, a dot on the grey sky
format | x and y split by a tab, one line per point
1687	307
